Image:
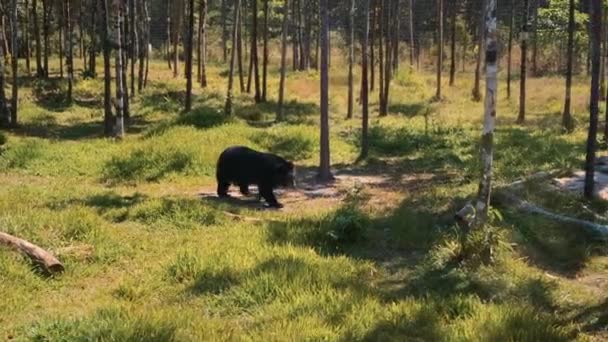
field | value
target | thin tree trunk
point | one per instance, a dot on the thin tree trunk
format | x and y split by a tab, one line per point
61	41
189	56
119	128
294	36
38	48
372	62
567	117
126	108
81	35
281	109
396	37
351	57
69	50
239	53
5	115
453	43
133	43
364	86
265	53
147	49
93	36
324	167
14	62
203	43
510	47
176	34
535	37
476	90
439	48
254	51
26	38
228	106
595	37
223	14
411	22
381	21
524	56
107	79
169	34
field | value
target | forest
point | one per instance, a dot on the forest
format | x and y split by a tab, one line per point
441	168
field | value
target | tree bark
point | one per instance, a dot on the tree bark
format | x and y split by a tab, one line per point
439	48
189	56
567	117
119	127
203	43
453	43
5	115
481	30
132	42
510	47
412	43
281	109
37	40
364	85
228	105
223	14
351	57
107	79
487	139
524	56
595	37
14	63
254	51
265	54
169	34
93	37
239	52
45	32
69	48
324	167
26	38
37	254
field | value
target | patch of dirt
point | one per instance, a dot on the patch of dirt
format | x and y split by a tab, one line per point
576	182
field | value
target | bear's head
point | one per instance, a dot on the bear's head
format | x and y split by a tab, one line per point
286	174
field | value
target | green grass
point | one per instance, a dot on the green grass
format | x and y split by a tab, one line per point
148	259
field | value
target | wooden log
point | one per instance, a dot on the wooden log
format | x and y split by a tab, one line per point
37	254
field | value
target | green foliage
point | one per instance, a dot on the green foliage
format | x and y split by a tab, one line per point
177	213
290	142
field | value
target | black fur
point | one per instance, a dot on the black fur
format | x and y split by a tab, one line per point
242	166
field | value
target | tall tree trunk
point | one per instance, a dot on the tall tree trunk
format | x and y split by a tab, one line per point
189	56
69	48
265	53
14	62
81	35
411	22
177	29
372	62
254	51
567	117
381	21
324	167
396	37
281	109
119	127
107	79
93	37
294	36
595	37
388	22
126	110
5	115
524	57
510	47
61	41
351	57
223	15
228	105
132	42
487	139
453	43
147	45
535	37
481	30
26	38
239	53
203	43
364	86
37	40
169	34
439	48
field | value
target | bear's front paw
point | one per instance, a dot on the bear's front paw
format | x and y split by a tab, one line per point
274	205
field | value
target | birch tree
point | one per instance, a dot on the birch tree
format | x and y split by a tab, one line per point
482	203
189	56
14	63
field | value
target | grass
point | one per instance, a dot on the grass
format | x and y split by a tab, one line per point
148	260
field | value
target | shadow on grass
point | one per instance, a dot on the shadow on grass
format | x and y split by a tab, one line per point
48	130
295	112
411	110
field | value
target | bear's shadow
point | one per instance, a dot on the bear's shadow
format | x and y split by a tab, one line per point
235	198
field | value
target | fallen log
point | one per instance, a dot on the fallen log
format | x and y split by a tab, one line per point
37	254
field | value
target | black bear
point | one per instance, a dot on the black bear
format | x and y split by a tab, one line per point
242	166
